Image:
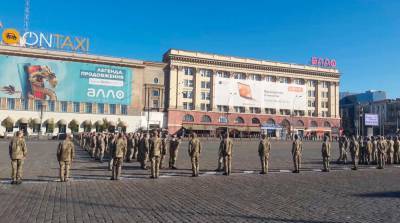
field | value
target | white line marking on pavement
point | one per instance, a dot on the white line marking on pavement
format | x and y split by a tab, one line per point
317	170
248	171
210	173
285	171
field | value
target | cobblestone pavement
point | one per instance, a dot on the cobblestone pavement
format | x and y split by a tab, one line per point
367	195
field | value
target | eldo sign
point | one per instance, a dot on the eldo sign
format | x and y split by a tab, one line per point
45	40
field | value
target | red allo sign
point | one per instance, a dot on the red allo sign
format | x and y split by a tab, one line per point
316	61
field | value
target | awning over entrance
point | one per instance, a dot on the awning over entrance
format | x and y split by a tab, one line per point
318	129
199	127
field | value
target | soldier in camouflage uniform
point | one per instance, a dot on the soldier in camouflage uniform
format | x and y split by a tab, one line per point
381	153
65	155
143	154
164	148
119	155
154	154
297	149
369	147
111	148
173	151
17	152
194	151
396	150
343	144
326	153
264	147
354	151
131	146
374	156
226	147
390	150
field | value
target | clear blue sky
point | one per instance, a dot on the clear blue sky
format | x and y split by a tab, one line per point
362	35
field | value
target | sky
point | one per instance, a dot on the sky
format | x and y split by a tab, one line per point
363	36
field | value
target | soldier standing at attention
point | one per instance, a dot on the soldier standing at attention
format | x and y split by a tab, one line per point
220	158
119	155
65	155
390	150
263	151
136	138
369	146
226	148
93	145
173	151
381	153
297	149
396	150
131	145
17	152
111	148
155	153
326	153
374	150
354	150
143	154
194	153
164	147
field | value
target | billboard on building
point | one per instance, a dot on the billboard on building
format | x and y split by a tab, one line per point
371	120
249	93
43	79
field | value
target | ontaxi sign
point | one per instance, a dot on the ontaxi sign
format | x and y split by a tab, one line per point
316	61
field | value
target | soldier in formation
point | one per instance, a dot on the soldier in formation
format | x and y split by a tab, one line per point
143	154
354	151
65	155
17	152
297	149
226	147
326	153
118	156
264	148
173	151
343	146
194	151
155	155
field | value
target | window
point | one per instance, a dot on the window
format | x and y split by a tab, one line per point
310	112
76	107
205	84
270	79
63	106
223	108
324	104
187	94
223	119
239	76
239	120
187	105
255	121
255	110
155	93
124	109
113	109
100	108
311	93
189	71
299	81
156	104
239	109
10	103
223	74
38	105
51	105
88	107
325	94
206	118
188	118
205	95
188	83
311	103
325	84
25	104
314	124
255	77
155	80
284	80
205	107
312	83
270	110
284	111
205	73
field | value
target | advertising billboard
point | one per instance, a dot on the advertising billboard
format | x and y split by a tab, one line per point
371	120
249	93
42	79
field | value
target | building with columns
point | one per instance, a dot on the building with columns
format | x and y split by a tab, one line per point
209	93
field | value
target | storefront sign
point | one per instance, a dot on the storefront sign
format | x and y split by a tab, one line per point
42	79
321	62
371	120
46	40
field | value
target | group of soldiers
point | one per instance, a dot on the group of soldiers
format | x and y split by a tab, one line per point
152	147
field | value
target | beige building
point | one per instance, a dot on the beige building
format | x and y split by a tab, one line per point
56	116
208	92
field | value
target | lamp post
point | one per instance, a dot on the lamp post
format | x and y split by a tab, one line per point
292	115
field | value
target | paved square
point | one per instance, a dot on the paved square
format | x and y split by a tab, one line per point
367	195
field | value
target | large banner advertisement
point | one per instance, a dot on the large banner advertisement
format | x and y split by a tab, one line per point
42	79
248	93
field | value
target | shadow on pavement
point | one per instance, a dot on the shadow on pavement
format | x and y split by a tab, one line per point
388	194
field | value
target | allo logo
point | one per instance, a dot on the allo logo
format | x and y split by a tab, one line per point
11	36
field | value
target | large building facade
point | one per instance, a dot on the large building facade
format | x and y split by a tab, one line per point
210	93
53	92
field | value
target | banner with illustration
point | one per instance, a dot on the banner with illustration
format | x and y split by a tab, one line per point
43	79
250	93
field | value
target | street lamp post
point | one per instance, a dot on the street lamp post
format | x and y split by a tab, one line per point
292	115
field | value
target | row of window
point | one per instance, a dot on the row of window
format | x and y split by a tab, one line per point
49	106
190	71
240	120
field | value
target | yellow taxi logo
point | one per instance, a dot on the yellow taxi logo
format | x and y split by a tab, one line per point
11	36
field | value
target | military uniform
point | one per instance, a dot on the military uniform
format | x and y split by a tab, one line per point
194	153
374	155
264	147
220	160
226	147
143	153
119	155
354	151
155	154
164	148
111	149
93	146
381	153
173	152
135	146
369	147
297	149
326	153
17	152
101	144
65	154
131	146
390	151
342	150
396	151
